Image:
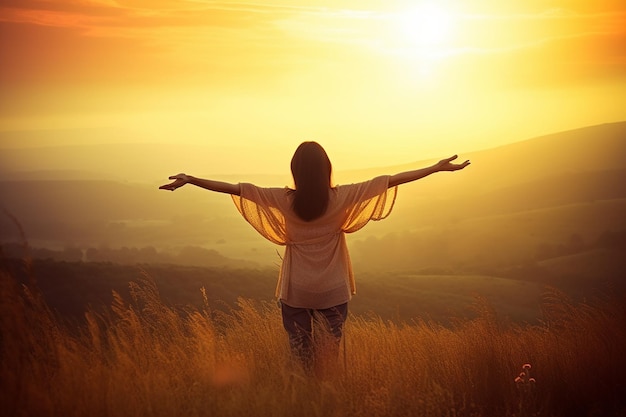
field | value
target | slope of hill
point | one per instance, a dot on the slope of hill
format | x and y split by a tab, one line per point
587	149
493	241
593	269
550	191
594	148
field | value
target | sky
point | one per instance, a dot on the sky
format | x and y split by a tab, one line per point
376	83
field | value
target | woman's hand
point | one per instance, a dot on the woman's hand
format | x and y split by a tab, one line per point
179	181
447	165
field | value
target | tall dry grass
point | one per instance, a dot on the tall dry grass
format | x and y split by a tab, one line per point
148	359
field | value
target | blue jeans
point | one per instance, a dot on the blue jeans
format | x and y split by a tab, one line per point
300	323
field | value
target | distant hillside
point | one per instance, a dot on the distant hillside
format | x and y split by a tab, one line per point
592	148
70	288
494	241
596	268
549	191
589	149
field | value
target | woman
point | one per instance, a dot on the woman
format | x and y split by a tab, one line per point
316	278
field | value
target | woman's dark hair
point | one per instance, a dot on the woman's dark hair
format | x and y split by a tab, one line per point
311	170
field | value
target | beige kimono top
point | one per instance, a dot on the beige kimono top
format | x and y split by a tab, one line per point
316	271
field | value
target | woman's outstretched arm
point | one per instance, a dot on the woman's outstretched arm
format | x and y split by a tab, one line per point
443	165
212	185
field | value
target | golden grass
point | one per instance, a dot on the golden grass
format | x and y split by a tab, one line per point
148	359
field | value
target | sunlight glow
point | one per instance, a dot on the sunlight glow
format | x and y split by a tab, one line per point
425	75
427	25
424	35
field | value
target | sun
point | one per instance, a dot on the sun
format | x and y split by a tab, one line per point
423	37
427	25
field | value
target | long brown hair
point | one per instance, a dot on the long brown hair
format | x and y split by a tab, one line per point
311	170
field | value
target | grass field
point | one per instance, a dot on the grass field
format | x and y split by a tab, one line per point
405	297
145	358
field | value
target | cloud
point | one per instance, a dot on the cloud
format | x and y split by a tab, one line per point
137	13
74	41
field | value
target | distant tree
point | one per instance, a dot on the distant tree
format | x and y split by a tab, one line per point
125	255
70	254
92	255
13	250
43	253
149	254
198	256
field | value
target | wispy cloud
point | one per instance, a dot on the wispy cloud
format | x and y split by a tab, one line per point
114	14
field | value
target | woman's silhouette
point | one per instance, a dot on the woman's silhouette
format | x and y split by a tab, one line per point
316	278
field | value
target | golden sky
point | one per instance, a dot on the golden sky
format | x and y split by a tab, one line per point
376	83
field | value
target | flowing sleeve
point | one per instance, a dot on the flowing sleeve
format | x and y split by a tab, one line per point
261	207
369	200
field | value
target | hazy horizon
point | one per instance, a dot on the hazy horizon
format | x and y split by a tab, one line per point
151	163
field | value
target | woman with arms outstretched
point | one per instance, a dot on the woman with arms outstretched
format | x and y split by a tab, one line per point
315	278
